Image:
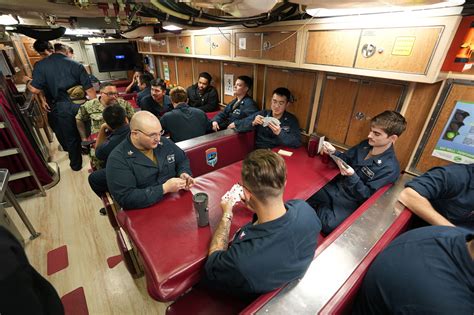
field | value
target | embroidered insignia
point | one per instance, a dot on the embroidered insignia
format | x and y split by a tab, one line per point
379	162
130	153
286	128
170	158
236	112
241	236
367	172
211	157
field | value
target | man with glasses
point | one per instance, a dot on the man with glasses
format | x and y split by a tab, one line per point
145	166
276	247
91	111
269	132
157	102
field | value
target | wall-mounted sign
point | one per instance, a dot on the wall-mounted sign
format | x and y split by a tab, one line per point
229	84
166	70
456	143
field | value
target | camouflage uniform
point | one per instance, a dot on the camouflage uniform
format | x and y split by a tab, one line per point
91	111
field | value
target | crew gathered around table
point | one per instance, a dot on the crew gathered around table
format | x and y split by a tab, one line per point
426	270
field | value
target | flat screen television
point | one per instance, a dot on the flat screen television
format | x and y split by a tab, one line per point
115	56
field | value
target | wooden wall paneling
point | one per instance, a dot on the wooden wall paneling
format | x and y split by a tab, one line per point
301	85
416	114
399	49
332	47
180	44
143	47
202	44
274	49
248	44
28	44
159	67
213	68
159	44
220	44
458	92
261	75
185	71
171	66
372	99
237	69
335	107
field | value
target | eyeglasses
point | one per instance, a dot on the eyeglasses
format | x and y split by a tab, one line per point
110	94
278	103
153	135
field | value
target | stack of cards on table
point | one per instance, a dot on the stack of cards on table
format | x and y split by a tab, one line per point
267	120
233	194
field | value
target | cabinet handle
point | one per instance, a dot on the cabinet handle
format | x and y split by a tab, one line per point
214	45
368	50
359	116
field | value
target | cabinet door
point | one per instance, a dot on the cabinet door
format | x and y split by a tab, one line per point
398	49
212	67
185	71
372	99
202	44
237	69
301	85
248	45
143	47
457	92
159	45
334	47
220	44
168	66
273	47
180	44
336	104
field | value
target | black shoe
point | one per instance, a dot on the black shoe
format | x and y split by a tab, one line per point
102	211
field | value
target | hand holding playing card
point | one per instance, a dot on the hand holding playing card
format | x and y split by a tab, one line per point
344	168
258	120
267	120
233	196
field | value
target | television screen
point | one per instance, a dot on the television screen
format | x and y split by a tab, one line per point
115	56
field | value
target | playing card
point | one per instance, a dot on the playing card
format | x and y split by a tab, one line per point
321	144
267	120
336	158
233	194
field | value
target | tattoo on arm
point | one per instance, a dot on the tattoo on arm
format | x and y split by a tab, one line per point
220	239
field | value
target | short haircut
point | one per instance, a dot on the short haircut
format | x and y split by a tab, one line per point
178	95
103	85
146	78
114	116
283	91
41	45
391	122
264	173
247	80
60	47
206	76
159	83
138	69
70	50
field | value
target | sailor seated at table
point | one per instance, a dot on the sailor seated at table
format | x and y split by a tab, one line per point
184	122
239	108
443	196
111	133
429	270
283	130
276	247
368	166
145	166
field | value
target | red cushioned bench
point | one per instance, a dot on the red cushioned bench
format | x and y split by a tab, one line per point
229	146
203	301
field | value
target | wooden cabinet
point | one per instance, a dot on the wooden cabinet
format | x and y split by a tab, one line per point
301	85
212	45
159	44
398	49
212	67
347	105
248	45
279	46
184	70
332	47
143	47
180	44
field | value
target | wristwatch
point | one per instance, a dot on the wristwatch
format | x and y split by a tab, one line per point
228	216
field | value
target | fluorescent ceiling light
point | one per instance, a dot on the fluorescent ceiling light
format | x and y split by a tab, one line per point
172	27
8	19
326	12
81	31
